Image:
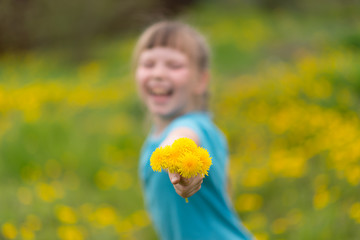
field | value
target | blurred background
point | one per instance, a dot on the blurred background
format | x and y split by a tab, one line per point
285	91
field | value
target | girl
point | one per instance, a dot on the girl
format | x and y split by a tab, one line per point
172	76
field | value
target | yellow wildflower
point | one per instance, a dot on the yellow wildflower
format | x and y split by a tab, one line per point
171	155
9	230
158	158
205	160
185	145
66	214
189	164
68	232
183	157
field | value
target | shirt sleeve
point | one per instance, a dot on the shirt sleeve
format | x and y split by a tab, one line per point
188	122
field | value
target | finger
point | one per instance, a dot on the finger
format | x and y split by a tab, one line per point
185	181
189	193
191	181
174	178
185	191
193	191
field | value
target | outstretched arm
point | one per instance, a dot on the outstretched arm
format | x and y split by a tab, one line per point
185	187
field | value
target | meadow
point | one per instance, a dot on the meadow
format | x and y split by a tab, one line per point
285	91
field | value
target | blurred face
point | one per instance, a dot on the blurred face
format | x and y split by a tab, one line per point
166	82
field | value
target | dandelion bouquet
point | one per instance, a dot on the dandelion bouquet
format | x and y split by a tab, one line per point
183	157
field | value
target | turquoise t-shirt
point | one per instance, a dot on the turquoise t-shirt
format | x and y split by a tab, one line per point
209	214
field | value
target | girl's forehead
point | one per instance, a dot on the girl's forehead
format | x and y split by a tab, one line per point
164	53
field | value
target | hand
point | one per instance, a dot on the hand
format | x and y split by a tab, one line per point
186	187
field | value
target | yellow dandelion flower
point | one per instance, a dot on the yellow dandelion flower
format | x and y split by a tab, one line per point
66	214
184	145
158	158
205	160
183	157
189	164
180	147
173	160
9	230
170	157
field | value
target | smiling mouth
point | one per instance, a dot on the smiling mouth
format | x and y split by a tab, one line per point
157	91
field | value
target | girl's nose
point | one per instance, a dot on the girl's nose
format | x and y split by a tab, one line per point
159	71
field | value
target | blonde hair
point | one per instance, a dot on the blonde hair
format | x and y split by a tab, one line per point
175	35
179	36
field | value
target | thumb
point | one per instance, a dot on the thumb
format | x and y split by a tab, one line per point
174	178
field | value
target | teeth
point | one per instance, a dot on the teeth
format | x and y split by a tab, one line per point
159	91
